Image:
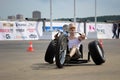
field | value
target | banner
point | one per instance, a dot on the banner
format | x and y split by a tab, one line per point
55	26
31	30
26	30
104	30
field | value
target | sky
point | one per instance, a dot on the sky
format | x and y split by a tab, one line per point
60	8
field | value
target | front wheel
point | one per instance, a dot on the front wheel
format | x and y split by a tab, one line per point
96	52
61	51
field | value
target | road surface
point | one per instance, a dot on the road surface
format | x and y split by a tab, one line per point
16	63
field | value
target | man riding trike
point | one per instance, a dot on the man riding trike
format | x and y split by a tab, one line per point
67	48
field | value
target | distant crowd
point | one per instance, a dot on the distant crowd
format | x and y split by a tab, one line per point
116	30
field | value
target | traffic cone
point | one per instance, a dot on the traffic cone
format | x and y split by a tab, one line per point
30	48
101	42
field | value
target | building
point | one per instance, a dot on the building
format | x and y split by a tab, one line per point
11	18
36	15
19	17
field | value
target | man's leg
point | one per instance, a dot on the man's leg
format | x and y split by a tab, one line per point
72	52
118	33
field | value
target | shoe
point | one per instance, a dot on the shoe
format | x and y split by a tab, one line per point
67	59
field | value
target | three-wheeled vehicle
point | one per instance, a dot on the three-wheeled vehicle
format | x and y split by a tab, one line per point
58	49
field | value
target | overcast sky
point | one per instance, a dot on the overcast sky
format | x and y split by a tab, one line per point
61	8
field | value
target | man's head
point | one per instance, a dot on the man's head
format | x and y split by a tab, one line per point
65	27
72	27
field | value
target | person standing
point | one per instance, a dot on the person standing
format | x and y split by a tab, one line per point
114	29
118	32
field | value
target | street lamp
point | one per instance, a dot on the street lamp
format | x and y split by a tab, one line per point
50	15
75	12
95	13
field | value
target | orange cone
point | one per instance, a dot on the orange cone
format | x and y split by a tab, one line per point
101	42
30	48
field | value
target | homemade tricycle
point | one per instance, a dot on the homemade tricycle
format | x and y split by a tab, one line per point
58	49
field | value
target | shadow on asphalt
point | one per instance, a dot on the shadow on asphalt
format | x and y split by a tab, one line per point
39	66
46	66
82	64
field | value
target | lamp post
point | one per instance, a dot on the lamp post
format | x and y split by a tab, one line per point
75	12
50	15
95	14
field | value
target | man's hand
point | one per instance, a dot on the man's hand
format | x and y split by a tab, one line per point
82	36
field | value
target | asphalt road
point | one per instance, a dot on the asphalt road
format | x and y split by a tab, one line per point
16	63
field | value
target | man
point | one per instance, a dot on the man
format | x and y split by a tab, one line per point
74	43
118	30
114	29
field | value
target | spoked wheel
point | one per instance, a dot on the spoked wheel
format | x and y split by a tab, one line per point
96	52
61	51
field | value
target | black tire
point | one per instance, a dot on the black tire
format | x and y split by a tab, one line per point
61	51
50	52
81	50
96	52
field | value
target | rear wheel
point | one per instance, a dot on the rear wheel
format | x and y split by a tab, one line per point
96	52
50	52
61	51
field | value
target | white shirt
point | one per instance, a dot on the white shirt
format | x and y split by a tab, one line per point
74	42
